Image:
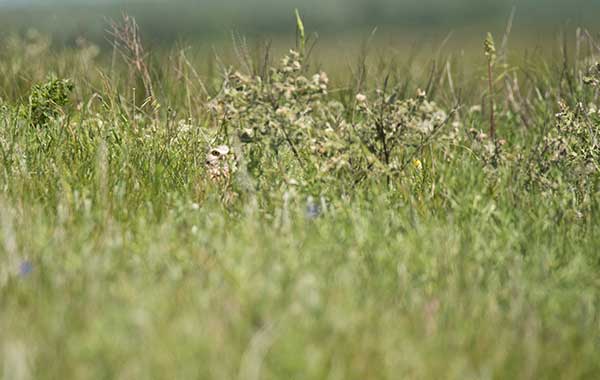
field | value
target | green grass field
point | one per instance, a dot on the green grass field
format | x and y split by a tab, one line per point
184	214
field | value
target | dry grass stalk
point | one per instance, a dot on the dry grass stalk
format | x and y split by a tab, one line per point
127	40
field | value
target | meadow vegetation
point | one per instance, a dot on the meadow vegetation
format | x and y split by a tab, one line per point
166	216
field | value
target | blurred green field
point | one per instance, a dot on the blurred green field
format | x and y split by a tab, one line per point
167	21
202	204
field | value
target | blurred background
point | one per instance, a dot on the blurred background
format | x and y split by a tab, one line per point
165	21
366	39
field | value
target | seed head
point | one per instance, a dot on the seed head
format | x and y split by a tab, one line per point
490	48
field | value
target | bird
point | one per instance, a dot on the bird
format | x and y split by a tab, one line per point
217	164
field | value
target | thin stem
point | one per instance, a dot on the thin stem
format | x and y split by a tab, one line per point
492	116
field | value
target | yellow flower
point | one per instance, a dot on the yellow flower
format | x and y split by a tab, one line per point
417	164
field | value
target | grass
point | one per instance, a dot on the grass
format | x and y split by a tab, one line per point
122	256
